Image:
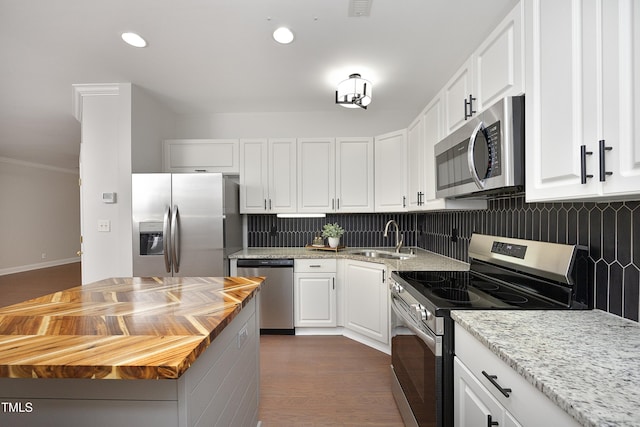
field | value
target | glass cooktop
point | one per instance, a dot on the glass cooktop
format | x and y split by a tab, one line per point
464	289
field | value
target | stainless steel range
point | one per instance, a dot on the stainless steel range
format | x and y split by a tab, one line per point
505	274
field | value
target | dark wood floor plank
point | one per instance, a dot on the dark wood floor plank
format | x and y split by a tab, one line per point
324	381
19	287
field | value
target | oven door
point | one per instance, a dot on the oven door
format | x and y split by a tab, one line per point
416	364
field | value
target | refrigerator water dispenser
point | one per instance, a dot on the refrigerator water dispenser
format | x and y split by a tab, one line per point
151	239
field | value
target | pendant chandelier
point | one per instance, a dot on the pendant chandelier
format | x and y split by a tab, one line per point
355	92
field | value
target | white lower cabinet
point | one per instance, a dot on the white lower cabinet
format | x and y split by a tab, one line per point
481	377
366	300
315	293
474	404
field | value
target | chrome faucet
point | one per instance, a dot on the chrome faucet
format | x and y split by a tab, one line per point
399	237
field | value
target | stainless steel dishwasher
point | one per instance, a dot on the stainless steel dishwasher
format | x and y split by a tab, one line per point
276	294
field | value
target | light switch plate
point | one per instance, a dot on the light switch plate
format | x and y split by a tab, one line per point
104	225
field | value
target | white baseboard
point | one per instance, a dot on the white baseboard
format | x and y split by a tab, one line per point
29	267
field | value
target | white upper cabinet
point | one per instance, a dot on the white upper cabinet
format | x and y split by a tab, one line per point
354	175
498	64
415	164
583	87
495	70
457	93
391	172
268	175
201	155
316	175
335	175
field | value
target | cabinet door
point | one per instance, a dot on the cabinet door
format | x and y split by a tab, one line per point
560	103
354	175
253	176
282	175
498	63
456	92
315	300
316	175
391	172
415	164
473	405
366	300
621	96
201	155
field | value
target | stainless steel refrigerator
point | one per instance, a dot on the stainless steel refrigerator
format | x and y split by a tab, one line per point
184	224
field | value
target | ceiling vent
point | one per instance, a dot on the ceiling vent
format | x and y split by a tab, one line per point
359	8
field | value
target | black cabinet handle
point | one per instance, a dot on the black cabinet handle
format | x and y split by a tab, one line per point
490	422
603	169
492	378
469	103
583	164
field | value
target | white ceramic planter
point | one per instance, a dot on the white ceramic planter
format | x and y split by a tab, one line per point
334	242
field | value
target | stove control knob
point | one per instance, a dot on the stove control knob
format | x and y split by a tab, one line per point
396	288
427	315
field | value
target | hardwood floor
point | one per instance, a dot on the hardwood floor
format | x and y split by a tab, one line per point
23	286
306	381
315	381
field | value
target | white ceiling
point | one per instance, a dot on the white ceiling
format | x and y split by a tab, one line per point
211	56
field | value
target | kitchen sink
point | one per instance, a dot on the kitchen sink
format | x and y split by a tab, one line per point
375	253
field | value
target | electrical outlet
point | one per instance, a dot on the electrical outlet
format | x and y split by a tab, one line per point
43	255
454	235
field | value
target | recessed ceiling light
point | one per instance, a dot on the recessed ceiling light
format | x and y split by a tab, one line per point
283	35
134	40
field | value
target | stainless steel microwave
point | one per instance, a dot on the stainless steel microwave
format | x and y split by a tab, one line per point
486	155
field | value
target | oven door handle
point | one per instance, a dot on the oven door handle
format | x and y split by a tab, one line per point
429	340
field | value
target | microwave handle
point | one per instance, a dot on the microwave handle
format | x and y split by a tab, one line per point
470	160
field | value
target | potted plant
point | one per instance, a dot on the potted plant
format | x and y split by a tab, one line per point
333	232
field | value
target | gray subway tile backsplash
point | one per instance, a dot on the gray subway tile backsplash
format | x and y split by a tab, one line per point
611	231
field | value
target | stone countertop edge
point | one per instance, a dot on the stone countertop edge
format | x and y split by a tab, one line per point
602	390
423	259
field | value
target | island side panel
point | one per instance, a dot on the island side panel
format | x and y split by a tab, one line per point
221	387
195	397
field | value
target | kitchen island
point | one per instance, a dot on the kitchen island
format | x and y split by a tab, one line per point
133	351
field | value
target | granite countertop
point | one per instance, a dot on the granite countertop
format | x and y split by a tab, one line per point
423	260
122	328
587	362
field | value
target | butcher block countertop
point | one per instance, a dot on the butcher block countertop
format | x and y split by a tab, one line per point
120	328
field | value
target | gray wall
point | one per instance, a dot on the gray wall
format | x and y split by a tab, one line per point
39	214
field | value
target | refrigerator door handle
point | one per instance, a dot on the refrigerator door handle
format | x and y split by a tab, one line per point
165	239
175	239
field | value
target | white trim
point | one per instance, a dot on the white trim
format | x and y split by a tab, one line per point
80	90
29	267
38	165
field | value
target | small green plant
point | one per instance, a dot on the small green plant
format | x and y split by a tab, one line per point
332	230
